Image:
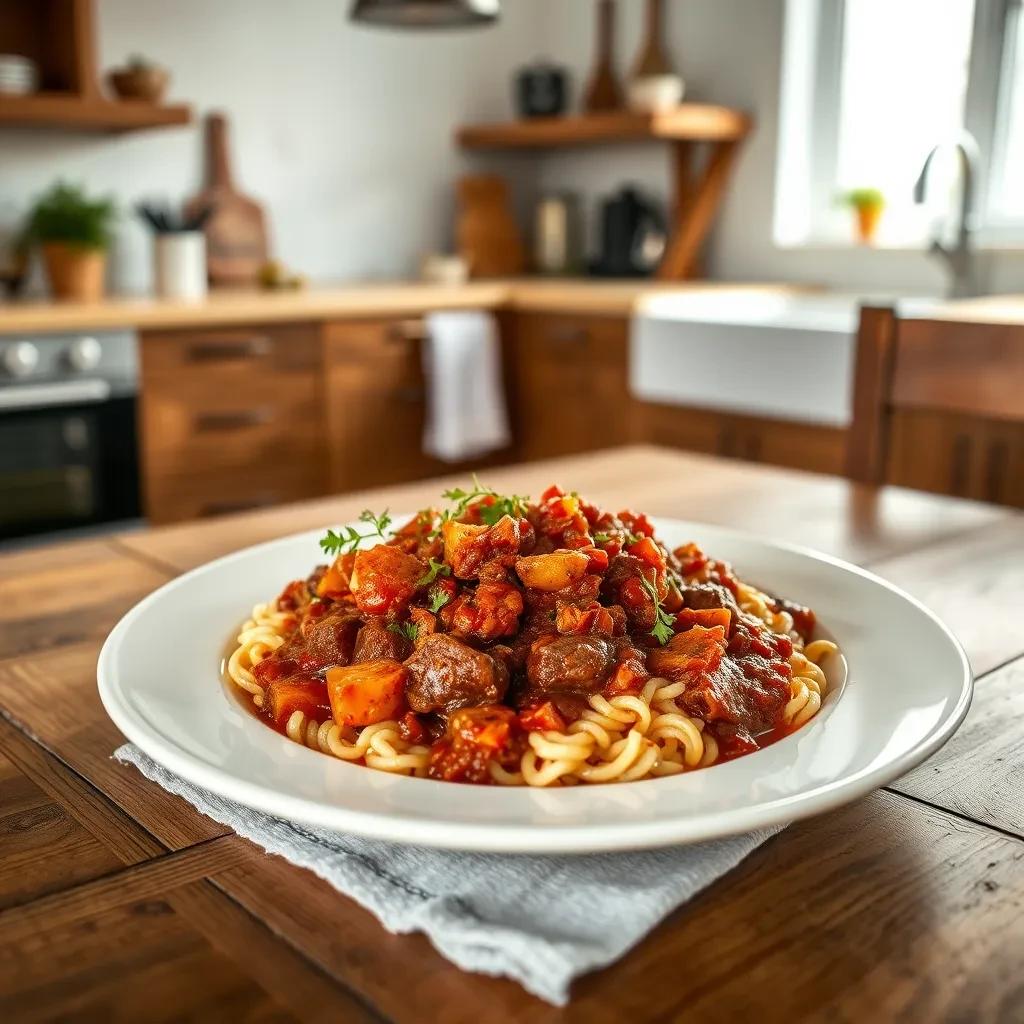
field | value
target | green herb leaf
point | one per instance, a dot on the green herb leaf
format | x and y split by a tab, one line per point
503	505
407	629
348	538
626	537
436	569
663	622
439	599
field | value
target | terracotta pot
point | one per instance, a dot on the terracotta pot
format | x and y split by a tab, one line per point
147	83
75	273
868	219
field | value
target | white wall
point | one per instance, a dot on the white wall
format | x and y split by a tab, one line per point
729	51
344	132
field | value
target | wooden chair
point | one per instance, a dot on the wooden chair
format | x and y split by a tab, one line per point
939	406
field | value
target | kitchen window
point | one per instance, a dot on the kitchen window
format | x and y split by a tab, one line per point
870	86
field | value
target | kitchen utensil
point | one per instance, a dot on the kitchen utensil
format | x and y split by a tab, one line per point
236	232
557	237
603	91
633	236
487	236
542	90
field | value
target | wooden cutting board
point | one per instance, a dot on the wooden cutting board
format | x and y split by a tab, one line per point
236	231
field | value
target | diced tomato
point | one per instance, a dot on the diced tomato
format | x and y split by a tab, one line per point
284	697
627	677
554	491
691	656
594	619
646	550
294	595
411	728
637	522
543	717
372	691
598	559
706	617
691	559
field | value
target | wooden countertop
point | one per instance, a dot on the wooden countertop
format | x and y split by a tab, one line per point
121	898
358	300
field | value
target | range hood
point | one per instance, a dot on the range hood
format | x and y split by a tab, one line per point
426	13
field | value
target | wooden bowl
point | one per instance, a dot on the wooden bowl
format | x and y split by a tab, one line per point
148	84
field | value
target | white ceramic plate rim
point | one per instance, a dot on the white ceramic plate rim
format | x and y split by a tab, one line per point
512	836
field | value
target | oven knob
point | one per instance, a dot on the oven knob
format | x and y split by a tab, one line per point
84	354
20	359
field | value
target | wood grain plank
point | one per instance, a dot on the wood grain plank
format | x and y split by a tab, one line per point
975	583
42	848
979	773
147	880
66	593
897	906
852	521
137	962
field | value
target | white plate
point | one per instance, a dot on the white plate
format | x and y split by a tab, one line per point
909	687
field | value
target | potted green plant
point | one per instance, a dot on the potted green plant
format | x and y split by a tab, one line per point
74	233
868	204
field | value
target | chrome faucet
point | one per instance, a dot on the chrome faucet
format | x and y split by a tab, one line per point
960	258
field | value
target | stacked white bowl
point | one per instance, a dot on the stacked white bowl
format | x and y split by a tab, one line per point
18	75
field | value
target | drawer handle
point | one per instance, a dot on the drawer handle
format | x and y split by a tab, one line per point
414	329
224	348
229	505
568	335
233	420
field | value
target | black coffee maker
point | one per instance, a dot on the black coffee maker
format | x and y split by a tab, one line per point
633	236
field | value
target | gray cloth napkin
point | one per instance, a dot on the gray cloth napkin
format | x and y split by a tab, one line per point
539	920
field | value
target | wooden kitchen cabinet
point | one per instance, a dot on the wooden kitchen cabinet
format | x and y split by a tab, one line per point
375	402
813	447
569	382
230	419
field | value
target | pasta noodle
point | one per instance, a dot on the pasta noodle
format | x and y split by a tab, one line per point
641	726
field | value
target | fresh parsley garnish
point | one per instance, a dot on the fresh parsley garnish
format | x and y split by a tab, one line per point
627	538
439	599
407	629
436	569
663	622
503	505
348	538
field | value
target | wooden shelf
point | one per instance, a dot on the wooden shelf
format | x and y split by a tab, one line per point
694	122
88	113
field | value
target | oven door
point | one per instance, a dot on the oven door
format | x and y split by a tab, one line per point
67	458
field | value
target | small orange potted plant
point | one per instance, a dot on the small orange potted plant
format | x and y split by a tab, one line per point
74	234
868	204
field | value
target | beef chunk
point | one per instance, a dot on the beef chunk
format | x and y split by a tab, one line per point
484	614
331	640
624	585
384	579
376	641
445	674
568	664
705	596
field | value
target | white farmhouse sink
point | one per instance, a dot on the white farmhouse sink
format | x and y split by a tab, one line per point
773	354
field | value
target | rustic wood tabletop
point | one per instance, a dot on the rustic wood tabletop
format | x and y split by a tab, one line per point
120	902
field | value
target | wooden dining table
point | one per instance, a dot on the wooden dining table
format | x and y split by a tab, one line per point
120	902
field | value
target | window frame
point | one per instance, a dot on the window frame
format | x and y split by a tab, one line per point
810	96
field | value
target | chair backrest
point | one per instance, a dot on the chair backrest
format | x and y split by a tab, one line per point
939	405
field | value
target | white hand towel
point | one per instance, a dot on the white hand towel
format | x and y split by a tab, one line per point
539	920
466	414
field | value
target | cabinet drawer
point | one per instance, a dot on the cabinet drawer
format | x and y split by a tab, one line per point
228	357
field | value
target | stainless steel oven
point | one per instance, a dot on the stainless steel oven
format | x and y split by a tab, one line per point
68	452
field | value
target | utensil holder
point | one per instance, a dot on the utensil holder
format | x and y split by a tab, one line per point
180	265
